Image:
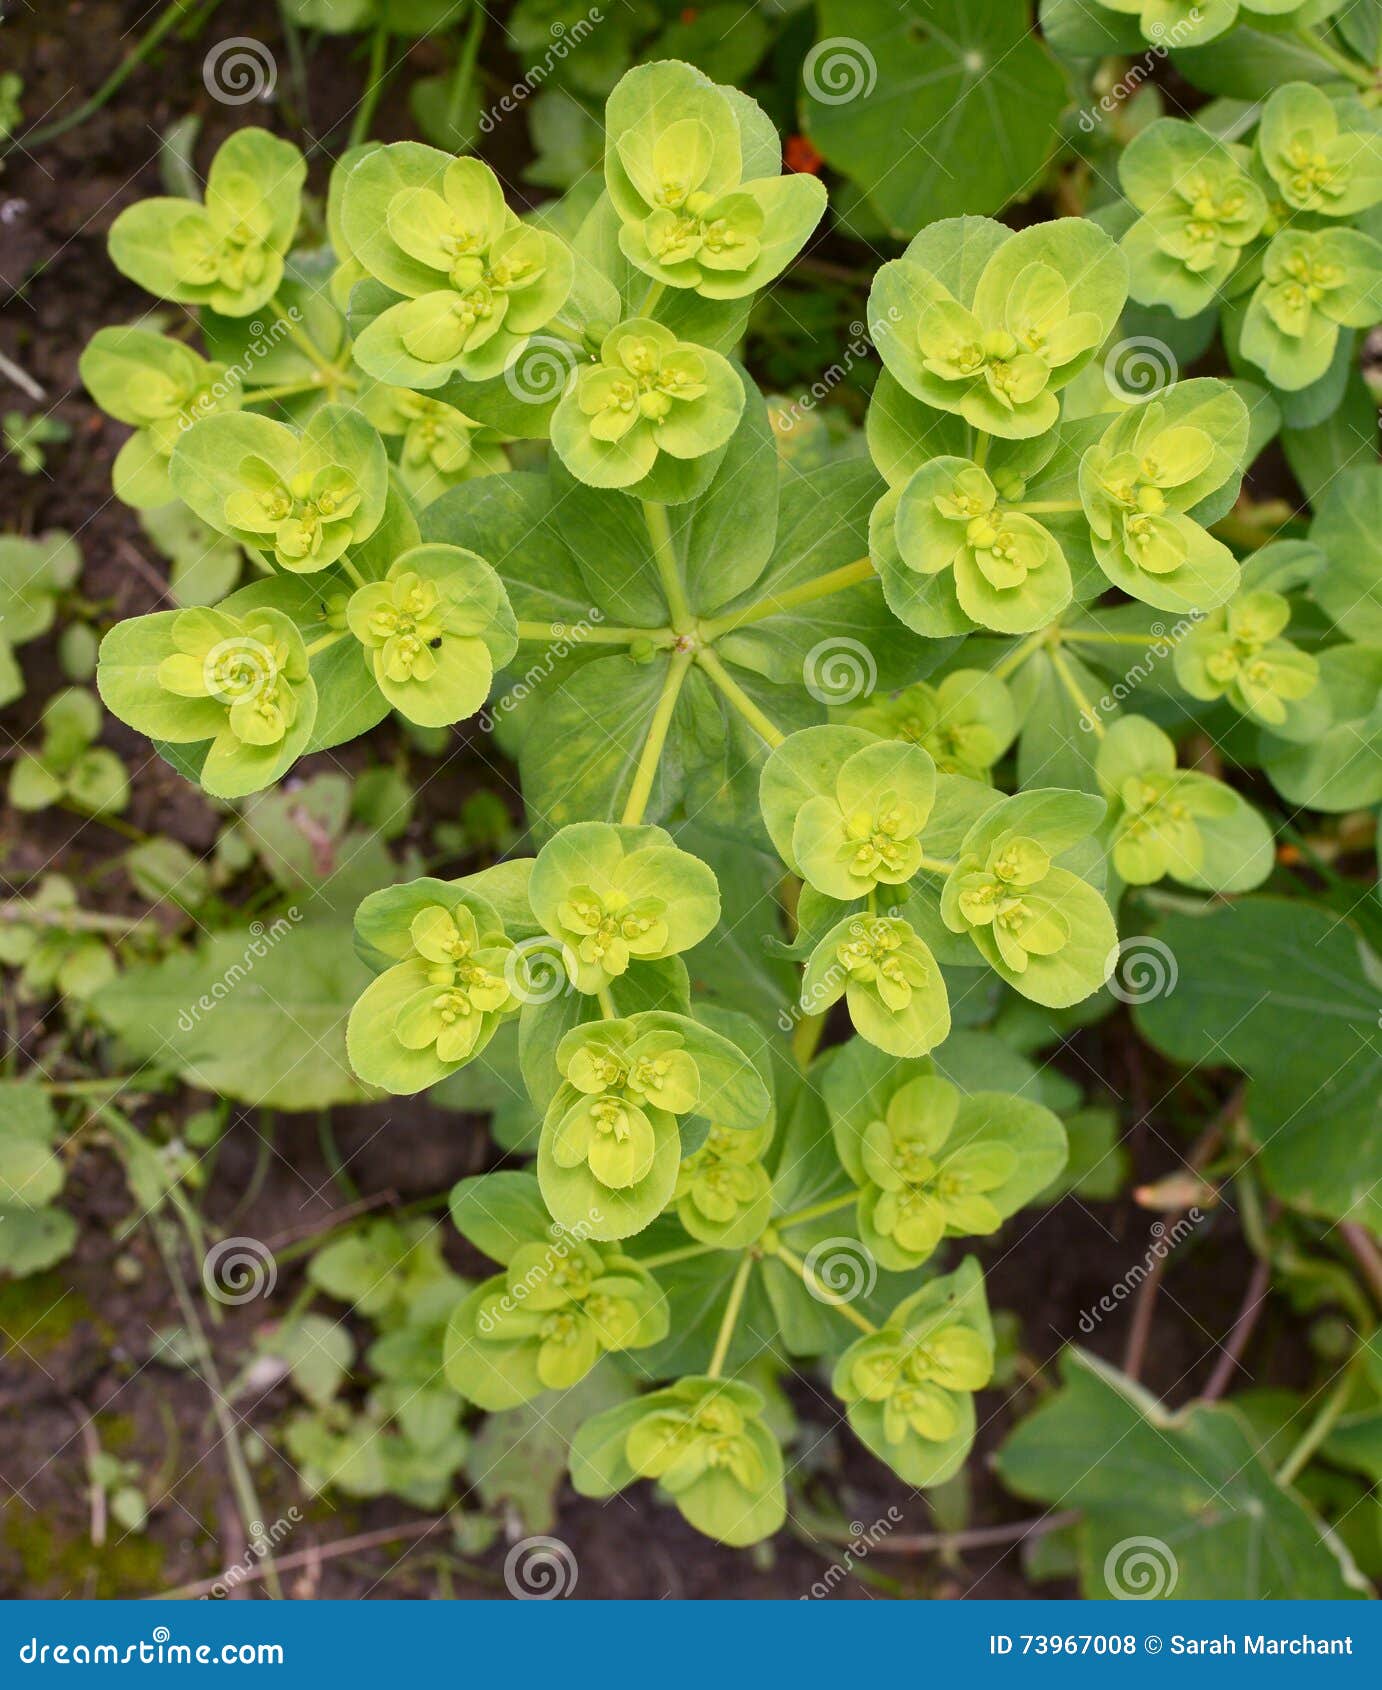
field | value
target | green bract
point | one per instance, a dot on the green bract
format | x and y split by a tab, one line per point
1237	653
1318	163
1189	23
888	978
648	393
693	211
909	1387
1176	822
1009	573
966	722
475	282
1140	486
1312	285
611	896
1199	207
1043	928
301	498
227	253
434	629
241	683
438	446
723	1191
998	350
867	831
704	1441
449	979
160	387
543	1323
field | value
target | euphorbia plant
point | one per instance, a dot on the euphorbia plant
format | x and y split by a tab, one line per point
647	610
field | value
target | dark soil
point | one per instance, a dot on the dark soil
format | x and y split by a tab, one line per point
78	1342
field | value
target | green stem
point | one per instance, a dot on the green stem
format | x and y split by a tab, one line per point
981	449
650	299
830	1206
606	1003
117	824
19	913
1321	1426
285	390
240	1478
936	865
549	633
806	1036
731	1315
673	588
821	1292
323	641
1070	637
464	74
306	345
352	571
1019	655
1045	507
651	755
167	21
1331	55
1072	686
667	1257
374	85
835	581
88	1088
739	698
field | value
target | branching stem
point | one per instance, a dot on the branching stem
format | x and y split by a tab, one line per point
707	660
